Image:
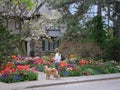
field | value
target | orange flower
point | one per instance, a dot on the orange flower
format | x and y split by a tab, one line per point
9	64
83	62
63	64
14	57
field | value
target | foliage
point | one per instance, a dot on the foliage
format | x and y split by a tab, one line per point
28	3
80	49
91	68
7	47
75	10
13	72
73	31
40	67
112	48
18	77
59	3
17	73
18	8
96	32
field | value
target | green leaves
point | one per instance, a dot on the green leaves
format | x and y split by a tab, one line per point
6	44
29	3
97	33
15	77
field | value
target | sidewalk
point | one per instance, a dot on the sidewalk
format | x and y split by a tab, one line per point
42	82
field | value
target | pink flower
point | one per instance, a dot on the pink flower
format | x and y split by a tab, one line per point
33	69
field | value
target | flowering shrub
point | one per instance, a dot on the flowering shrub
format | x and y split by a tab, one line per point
20	73
18	76
85	67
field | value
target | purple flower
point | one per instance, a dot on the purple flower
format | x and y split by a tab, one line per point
16	77
70	66
2	77
17	63
66	73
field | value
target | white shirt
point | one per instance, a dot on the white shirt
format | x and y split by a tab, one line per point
57	57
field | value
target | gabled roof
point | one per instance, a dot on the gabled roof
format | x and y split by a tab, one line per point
54	32
21	10
37	9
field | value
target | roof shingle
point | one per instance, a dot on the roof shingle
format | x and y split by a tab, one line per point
54	33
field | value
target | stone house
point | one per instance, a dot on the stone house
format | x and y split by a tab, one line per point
42	44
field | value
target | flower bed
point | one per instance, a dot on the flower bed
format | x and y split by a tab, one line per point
84	67
25	69
18	73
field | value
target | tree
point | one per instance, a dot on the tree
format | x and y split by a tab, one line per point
7	48
97	33
116	31
71	19
16	10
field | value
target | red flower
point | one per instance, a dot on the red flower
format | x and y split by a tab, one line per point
8	70
75	69
20	67
63	64
83	62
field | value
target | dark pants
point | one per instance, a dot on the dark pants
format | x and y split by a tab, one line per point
57	64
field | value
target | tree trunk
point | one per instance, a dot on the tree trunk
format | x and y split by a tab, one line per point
21	48
116	31
108	14
99	8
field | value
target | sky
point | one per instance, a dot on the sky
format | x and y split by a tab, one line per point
91	13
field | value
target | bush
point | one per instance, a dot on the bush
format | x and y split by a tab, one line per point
18	77
113	49
7	47
80	49
92	68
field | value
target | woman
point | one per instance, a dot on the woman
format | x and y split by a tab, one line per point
57	58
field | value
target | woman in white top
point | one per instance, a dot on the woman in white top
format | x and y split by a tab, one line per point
57	58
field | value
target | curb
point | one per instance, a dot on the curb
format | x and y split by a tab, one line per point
71	82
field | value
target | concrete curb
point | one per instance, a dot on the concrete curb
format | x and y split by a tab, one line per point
42	82
45	85
79	80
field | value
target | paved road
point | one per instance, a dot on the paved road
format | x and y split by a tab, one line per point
95	85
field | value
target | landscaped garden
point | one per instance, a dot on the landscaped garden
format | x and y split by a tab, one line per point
26	69
90	46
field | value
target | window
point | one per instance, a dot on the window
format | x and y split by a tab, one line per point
49	46
17	25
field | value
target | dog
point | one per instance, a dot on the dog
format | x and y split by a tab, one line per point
51	71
